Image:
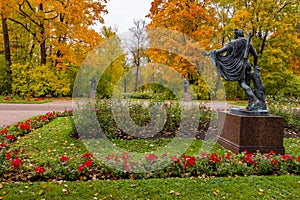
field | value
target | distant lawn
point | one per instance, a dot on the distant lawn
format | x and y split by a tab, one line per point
19	100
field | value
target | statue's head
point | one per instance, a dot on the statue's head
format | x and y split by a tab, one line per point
238	33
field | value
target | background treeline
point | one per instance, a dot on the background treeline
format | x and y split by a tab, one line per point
43	43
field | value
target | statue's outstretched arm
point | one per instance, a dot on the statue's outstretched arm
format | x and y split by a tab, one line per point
218	51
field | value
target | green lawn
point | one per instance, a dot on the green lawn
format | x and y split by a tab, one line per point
266	187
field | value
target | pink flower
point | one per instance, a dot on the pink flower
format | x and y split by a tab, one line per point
151	157
64	158
39	170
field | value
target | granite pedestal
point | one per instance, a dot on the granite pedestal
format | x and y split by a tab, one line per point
252	133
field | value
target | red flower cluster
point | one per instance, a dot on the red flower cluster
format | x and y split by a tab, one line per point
3	131
25	126
214	158
87	155
16	163
287	157
151	157
10	137
86	164
39	170
64	158
248	158
190	160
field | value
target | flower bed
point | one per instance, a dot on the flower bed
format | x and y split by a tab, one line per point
64	164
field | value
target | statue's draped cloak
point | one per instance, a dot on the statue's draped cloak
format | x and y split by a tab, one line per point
232	65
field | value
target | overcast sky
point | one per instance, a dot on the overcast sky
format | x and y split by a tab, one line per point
121	13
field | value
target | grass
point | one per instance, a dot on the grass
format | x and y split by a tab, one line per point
47	144
20	100
270	187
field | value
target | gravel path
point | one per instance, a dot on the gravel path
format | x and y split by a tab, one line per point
13	113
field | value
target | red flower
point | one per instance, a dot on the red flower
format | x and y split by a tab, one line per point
298	158
275	162
151	157
64	158
39	170
175	159
25	126
287	157
16	163
204	155
3	131
272	153
127	168
190	160
227	155
10	137
2	145
43	117
125	156
214	158
87	155
81	167
88	163
7	155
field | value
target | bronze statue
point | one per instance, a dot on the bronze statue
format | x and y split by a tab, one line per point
232	64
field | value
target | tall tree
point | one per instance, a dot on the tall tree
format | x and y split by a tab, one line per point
196	22
137	46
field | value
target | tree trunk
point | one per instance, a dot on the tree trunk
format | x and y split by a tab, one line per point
7	54
43	51
6	42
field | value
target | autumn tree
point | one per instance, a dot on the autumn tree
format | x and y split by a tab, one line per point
194	20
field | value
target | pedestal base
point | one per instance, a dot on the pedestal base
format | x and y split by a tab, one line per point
252	133
186	97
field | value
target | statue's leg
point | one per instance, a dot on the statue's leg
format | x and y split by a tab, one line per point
250	94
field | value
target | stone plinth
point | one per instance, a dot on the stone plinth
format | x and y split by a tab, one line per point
186	97
252	133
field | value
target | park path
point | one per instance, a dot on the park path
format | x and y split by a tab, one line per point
13	113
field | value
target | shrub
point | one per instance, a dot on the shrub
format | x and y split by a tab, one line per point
39	80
